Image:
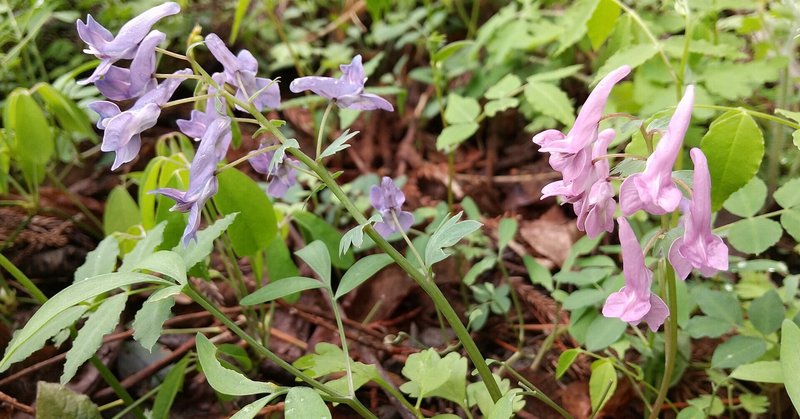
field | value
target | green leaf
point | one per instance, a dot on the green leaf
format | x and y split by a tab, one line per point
167	263
455	387
557	74
251	410
484	265
461	110
90	337
767	312
426	372
361	271
705	326
506	230
150	318
69	115
199	249
319	229
790	220
338	144
760	372
551	101
256	225
602	383
329	359
33	144
754	235
493	107
143	248
504	408
241	11
455	134
748	200
121	211
734	147
691	412
604	331
633	56
316	256
449	232
538	273
790	360
504	88
56	401
755	404
719	305
786	196
565	360
575	19
280	289
59	312
583	298
448	50
170	387
222	379
738	350
601	24
101	260
304	403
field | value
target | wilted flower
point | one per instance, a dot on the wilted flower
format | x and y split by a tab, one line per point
202	182
240	72
347	91
282	176
108	48
596	210
635	302
123	129
699	248
653	190
388	199
122	83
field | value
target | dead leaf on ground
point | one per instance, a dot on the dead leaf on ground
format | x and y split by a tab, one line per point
551	235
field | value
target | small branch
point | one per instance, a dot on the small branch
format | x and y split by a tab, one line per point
24	408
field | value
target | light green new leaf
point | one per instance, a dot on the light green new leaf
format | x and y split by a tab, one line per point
504	88
304	403
790	220
455	387
484	265
706	326
549	100
786	196
493	107
361	271
198	249
504	408
538	273
316	256
101	260
57	401
256	225
738	350
121	211
565	360
455	134
754	235
601	24
151	317
318	229
633	56
427	373
602	383
790	360
222	379
251	410
449	232
90	337
576	19
280	289
767	312
143	248
69	115
734	147
506	230
165	262
603	331
748	200
555	75
760	372
461	110
338	144
33	144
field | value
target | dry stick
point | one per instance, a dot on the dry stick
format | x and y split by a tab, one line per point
24	408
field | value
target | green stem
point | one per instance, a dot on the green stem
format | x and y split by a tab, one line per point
264	351
671	338
322	123
397	395
535	392
751	112
112	381
348	369
172	54
248	156
23	279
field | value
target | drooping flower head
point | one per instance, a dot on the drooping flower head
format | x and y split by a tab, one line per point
240	72
596	210
109	48
699	248
282	175
635	302
122	84
388	199
653	190
347	91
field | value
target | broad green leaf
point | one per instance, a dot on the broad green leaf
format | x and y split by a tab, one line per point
57	309
602	383
484	265
790	220
33	144
461	110
538	273
328	359
455	387
144	248
319	229
251	410
633	56
493	107
549	100
754	235
172	384
602	22
738	350
449	232
719	305
448	50
790	360
316	256
151	317
583	298
477	394
565	360
760	372
165	262
427	373
506	230
338	144
255	226
691	412
304	403
734	147
224	380
506	87
455	134
361	271
199	249
705	326
101	260
748	200
121	211
786	196
90	337
604	331
280	289
57	401
767	312
575	19
504	408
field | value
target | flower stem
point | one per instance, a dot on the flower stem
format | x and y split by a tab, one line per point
348	369
322	123
671	338
172	54
247	156
187	100
23	279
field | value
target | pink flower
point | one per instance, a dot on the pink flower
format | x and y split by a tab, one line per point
699	248
653	189
596	211
635	302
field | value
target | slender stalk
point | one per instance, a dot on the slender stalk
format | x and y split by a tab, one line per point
348	369
410	244
248	156
753	113
112	381
172	54
671	338
187	100
397	395
535	392
322	123
23	279
618	155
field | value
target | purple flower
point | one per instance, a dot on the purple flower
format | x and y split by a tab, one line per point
635	302
108	48
198	121
202	182
240	72
347	91
596	210
282	177
122	83
699	248
123	129
388	199
653	190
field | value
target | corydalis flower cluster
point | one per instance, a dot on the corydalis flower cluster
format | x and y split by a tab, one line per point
581	158
388	200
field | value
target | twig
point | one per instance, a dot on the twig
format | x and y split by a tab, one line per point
24	408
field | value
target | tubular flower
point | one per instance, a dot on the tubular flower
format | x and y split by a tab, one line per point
347	91
122	83
699	248
388	200
653	190
202	182
109	48
635	302
282	176
596	210
240	72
